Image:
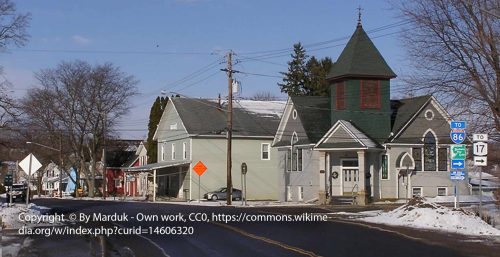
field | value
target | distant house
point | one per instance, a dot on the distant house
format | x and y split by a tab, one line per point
359	142
193	130
51	181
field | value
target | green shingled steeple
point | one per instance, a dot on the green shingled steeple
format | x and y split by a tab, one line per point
360	59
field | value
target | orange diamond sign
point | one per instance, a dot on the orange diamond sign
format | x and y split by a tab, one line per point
199	168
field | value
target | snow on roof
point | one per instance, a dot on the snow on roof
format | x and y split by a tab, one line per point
420	213
260	107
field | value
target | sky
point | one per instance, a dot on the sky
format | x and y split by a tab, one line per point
180	45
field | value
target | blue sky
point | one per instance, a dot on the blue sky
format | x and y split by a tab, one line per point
162	42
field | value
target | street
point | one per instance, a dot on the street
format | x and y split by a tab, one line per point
335	237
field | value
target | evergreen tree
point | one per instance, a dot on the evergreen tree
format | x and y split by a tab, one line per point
154	119
294	80
317	71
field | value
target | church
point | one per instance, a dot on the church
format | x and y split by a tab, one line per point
360	143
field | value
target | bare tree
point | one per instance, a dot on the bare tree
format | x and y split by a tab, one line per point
454	46
83	102
264	96
12	32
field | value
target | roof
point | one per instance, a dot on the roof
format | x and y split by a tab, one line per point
404	109
250	118
360	58
155	166
314	113
344	134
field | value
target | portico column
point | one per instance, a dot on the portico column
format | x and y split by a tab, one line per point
362	196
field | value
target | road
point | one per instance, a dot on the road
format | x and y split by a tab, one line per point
335	237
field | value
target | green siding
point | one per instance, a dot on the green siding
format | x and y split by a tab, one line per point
376	123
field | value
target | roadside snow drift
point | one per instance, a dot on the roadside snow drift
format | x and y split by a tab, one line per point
420	213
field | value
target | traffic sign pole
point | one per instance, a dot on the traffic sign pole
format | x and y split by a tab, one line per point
29	181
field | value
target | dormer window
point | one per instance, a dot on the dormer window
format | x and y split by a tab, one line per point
370	94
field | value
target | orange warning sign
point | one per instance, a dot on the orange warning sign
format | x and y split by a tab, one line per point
199	168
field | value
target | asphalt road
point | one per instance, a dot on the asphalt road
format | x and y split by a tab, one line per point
335	237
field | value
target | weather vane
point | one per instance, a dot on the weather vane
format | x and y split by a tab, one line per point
359	15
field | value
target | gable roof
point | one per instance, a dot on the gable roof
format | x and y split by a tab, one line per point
314	113
250	118
404	109
360	58
343	134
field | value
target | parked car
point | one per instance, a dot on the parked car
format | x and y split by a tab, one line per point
221	194
18	191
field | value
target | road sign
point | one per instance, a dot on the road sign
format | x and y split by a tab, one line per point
458	125
7	180
480	161
457	175
480	148
458	152
200	168
457	136
457	164
480	137
25	164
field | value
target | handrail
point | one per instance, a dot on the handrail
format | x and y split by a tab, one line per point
352	193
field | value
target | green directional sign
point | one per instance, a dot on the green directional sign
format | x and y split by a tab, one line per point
458	152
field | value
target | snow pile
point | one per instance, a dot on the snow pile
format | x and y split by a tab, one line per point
10	216
420	213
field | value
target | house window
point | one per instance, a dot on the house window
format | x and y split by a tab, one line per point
417	157
173	126
184	150
417	191
340	96
442	191
294	114
288	193
429	152
173	151
442	159
288	160
264	151
370	94
163	152
385	167
294	160
300	193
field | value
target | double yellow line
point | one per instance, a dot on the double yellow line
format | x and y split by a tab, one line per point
267	240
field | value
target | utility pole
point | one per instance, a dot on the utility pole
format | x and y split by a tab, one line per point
62	166
229	70
104	173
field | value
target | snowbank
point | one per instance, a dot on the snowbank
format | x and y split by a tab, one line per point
420	213
10	216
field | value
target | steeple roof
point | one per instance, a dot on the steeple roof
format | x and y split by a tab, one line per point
360	58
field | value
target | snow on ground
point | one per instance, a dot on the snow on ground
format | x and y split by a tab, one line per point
421	213
10	216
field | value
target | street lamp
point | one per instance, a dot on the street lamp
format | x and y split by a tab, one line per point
60	159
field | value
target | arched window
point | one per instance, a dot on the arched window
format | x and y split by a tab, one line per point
429	151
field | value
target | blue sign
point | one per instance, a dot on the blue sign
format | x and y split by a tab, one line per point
457	175
457	136
458	125
457	164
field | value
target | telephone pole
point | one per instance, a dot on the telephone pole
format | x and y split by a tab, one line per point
229	71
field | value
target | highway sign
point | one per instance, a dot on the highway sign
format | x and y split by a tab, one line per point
25	164
457	164
200	168
480	160
480	148
457	136
480	137
457	175
458	125
458	152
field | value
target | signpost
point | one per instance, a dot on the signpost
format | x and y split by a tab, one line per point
199	168
31	164
480	150
244	170
458	154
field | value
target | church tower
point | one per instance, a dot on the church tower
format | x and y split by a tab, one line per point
360	87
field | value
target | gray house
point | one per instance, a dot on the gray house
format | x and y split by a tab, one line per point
359	142
193	130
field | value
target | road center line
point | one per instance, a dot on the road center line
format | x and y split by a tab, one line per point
267	240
